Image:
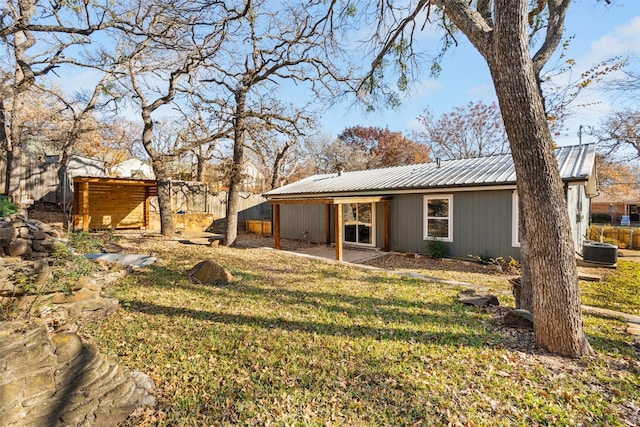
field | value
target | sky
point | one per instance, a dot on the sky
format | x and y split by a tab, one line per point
601	31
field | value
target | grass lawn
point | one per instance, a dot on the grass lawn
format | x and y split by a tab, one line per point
303	342
619	291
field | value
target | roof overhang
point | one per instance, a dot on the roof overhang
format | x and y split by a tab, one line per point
337	200
327	197
116	181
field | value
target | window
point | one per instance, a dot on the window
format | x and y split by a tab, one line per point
358	223
515	221
438	224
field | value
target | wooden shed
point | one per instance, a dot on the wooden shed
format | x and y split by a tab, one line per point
110	203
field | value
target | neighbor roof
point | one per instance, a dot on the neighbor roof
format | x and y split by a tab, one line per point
575	163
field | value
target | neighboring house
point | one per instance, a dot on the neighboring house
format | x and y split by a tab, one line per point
41	180
79	166
132	168
471	205
618	206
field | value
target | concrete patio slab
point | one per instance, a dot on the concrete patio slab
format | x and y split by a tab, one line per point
133	260
348	255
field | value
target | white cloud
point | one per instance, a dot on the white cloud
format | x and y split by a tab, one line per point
623	40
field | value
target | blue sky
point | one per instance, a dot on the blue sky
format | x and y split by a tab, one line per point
600	32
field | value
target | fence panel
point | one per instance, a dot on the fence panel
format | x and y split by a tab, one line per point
624	237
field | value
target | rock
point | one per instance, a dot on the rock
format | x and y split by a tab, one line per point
209	272
478	300
60	381
39	234
518	318
19	247
67	346
8	233
41	271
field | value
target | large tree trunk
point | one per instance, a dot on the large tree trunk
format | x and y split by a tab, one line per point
556	297
163	178
524	296
200	168
231	230
164	203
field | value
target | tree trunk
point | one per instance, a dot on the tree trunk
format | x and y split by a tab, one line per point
5	144
556	297
165	205
524	298
200	167
163	178
15	163
231	230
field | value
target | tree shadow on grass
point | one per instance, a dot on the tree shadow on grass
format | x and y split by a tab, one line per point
389	308
444	323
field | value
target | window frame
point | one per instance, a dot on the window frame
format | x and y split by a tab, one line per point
426	217
373	225
515	220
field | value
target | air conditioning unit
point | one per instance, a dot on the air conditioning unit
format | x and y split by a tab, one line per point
602	253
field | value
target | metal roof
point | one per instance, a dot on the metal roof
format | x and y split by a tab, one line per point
575	163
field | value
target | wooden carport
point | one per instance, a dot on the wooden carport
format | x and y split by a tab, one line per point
109	203
337	202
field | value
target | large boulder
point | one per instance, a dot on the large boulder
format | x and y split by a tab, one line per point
209	272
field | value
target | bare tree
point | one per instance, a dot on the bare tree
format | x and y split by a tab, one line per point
163	46
270	48
501	32
619	134
471	131
273	136
37	35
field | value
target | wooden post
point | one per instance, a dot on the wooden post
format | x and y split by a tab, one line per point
327	223
387	224
147	207
339	231
76	205
276	225
85	205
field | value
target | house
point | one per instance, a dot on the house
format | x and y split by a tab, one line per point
132	168
470	205
618	206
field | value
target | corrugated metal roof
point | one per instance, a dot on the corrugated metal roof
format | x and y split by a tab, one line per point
575	163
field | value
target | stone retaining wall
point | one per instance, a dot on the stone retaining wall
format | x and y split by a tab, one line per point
27	239
56	381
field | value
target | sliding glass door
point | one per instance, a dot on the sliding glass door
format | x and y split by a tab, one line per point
358	223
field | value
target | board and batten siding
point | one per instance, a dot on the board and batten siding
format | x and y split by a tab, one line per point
482	224
578	206
303	222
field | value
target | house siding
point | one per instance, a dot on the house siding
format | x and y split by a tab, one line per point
303	222
481	224
578	205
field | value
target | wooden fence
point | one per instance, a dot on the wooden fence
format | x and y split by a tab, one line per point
628	238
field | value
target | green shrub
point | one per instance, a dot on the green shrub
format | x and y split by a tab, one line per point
6	207
600	218
436	249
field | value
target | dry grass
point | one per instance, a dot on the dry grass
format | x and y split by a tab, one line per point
296	341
